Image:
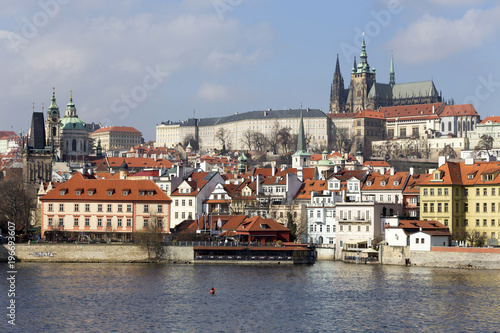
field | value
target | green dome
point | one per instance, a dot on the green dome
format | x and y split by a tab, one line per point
325	162
69	123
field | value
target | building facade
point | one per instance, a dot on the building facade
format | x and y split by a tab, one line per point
114	137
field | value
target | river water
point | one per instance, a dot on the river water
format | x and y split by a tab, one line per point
324	297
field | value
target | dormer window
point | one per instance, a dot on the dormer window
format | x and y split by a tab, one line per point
125	192
396	183
62	191
91	191
78	191
369	183
470	176
141	193
110	192
150	193
382	183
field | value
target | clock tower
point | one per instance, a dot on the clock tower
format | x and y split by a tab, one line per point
53	125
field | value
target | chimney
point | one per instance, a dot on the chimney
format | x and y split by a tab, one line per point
433	109
442	160
273	171
412	171
258	183
469	161
392	171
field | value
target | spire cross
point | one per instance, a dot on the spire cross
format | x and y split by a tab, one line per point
53	89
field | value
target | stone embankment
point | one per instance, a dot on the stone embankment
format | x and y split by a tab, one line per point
46	252
446	257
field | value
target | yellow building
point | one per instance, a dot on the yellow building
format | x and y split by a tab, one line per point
464	197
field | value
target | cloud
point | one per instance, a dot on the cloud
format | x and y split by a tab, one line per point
213	93
431	38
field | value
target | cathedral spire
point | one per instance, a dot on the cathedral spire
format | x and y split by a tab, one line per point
337	94
53	110
363	66
301	140
392	77
354	66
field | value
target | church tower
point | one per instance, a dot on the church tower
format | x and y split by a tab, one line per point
301	158
392	76
53	124
362	80
337	92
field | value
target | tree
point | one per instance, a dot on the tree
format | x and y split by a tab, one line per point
473	237
151	237
485	143
190	139
248	139
272	139
18	204
223	135
284	137
448	151
290	224
342	140
259	141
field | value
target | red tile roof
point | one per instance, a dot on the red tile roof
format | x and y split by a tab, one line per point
101	187
491	119
412	111
121	129
370	114
376	164
258	223
459	110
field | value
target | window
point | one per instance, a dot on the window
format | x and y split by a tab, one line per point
485	191
485	224
359	228
281	214
417	240
432	191
176	215
318	214
349	228
485	207
445	223
160	223
183	214
328	228
87	207
109	208
492	207
320	228
108	222
402	132
129	208
77	207
99	222
446	207
110	192
61	221
389	197
466	222
311	213
160	208
457	207
99	207
477	207
492	223
466	191
341	228
492	191
125	193
477	222
75	221
183	202
466	207
119	208
190	202
129	222
146	208
311	229
51	207
425	191
445	191
425	207
87	222
439	207
146	222
119	222
440	192
432	207
492	235
50	221
422	240
381	198
478	192
367	228
61	207
176	202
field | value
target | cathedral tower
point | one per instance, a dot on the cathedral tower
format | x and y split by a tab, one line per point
53	124
362	81
337	91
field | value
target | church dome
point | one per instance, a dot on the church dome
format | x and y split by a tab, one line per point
73	123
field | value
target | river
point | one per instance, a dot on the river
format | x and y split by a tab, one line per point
324	297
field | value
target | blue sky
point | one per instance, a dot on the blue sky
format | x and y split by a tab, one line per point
137	63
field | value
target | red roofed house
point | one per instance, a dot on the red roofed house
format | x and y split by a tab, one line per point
418	235
103	208
112	137
263	231
489	126
189	196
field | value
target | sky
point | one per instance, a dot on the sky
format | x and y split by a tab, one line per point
140	62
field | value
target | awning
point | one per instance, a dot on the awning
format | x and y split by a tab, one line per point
369	251
356	241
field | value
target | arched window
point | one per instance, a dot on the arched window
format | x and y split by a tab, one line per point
464	126
54	131
459	126
449	126
73	145
472	127
320	240
442	127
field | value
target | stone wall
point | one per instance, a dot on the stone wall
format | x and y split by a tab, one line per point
93	253
448	257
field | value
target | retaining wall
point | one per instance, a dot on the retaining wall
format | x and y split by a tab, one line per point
324	253
448	257
93	253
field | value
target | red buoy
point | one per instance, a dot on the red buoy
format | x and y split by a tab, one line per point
212	291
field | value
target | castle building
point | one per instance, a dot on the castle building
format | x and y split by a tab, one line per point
365	92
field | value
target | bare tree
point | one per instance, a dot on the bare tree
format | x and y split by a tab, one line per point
272	138
342	140
248	139
284	137
448	151
259	140
223	135
485	143
18	204
151	237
